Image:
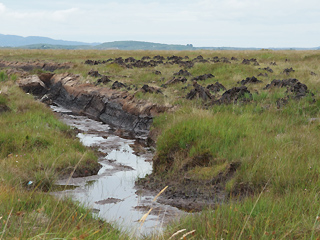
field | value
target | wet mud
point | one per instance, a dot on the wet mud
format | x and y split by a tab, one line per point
112	194
111	106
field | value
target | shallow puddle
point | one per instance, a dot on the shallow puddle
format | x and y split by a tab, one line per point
111	194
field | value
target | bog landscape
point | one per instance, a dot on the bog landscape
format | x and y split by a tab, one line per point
233	138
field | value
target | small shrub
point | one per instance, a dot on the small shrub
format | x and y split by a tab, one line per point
3	77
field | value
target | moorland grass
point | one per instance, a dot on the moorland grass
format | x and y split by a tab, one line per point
274	191
303	62
35	215
35	150
278	157
34	144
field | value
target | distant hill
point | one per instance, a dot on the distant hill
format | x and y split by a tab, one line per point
52	46
121	45
18	41
137	45
49	43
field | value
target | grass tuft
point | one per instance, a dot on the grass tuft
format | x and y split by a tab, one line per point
35	150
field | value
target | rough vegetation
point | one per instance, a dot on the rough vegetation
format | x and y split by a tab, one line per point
35	150
242	149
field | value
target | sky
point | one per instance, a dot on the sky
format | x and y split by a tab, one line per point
203	23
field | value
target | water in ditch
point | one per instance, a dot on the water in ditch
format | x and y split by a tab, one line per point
111	194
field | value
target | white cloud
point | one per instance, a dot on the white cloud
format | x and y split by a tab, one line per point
36	22
38	16
63	15
2	8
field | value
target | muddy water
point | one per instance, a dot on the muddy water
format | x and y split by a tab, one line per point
111	194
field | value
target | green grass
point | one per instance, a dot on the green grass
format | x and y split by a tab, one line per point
35	150
34	144
293	216
277	152
273	192
278	158
3	76
231	133
34	215
3	99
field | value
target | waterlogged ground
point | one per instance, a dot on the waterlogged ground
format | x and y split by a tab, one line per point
250	144
112	194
